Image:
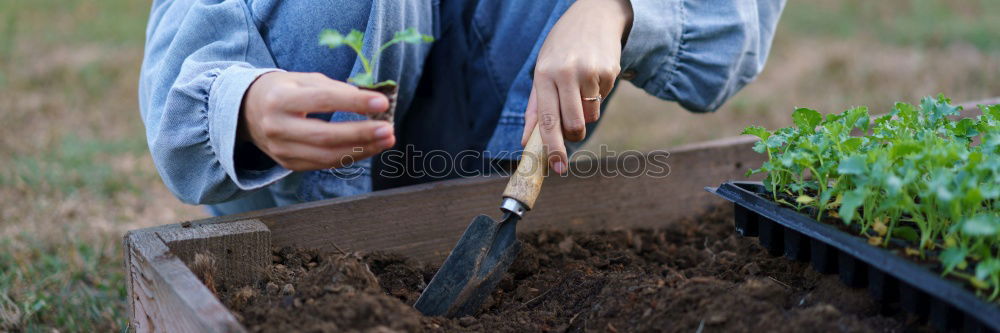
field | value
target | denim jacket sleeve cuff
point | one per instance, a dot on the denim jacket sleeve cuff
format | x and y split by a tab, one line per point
698	53
653	43
224	103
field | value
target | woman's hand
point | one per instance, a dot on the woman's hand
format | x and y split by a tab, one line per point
273	117
579	59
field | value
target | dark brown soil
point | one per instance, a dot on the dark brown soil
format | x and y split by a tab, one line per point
694	275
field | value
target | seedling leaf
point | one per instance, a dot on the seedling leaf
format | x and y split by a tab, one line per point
849	206
952	257
355	40
905	233
986	268
854	165
362	80
331	38
410	35
807	119
981	225
757	131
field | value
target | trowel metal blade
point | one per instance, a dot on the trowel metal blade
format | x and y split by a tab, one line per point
473	269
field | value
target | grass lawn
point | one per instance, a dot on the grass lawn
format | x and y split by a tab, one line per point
76	174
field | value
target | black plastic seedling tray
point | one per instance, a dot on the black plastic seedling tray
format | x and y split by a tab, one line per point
947	305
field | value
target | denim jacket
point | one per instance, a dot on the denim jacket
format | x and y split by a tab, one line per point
466	91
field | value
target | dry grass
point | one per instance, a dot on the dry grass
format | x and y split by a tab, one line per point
76	175
827	74
831	55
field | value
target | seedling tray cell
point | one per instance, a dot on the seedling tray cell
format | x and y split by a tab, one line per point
889	278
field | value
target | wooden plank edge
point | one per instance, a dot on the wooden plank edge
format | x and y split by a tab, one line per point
239	251
164	295
278	211
324	224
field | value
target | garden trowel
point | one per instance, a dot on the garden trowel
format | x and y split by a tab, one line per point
487	248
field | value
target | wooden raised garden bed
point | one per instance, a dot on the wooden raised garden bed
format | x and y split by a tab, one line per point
422	221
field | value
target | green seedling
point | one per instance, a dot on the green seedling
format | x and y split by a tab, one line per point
355	40
914	175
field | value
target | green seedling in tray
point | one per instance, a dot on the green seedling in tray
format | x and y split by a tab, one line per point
914	175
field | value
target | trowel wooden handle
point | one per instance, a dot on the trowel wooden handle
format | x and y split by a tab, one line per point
526	182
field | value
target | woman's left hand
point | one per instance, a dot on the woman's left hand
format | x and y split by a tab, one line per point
580	59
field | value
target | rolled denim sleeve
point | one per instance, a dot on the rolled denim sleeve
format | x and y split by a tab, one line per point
200	58
698	52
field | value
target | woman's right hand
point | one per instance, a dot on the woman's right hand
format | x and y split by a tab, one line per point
273	117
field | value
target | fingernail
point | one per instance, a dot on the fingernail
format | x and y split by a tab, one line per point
383	132
387	142
559	167
378	103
